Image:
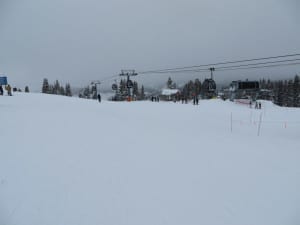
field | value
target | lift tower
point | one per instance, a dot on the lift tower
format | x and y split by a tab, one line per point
129	83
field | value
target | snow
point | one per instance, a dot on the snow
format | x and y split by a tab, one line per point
75	161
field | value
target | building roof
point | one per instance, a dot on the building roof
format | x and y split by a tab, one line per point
167	91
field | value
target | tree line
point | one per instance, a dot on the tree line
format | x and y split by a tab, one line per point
284	92
281	92
56	88
136	92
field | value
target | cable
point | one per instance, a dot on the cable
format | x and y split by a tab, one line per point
258	67
254	64
215	64
229	69
198	69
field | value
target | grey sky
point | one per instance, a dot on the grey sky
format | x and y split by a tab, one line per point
78	41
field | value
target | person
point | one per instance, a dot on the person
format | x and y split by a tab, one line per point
99	97
197	100
8	88
1	90
256	105
259	105
250	104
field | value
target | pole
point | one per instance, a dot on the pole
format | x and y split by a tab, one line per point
95	83
259	125
231	122
128	73
211	72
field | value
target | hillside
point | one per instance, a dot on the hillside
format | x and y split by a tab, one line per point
74	161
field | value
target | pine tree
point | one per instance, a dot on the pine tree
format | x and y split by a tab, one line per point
51	89
68	90
86	92
285	93
290	94
94	92
45	88
135	90
169	83
197	86
262	84
56	89
142	93
296	92
62	91
270	85
279	92
123	87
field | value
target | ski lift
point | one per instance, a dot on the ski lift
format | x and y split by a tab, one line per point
209	88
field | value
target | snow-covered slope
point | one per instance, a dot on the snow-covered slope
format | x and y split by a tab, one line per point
73	161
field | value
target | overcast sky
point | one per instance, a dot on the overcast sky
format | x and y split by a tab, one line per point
78	41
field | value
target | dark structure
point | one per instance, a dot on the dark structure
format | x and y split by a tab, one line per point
244	90
209	89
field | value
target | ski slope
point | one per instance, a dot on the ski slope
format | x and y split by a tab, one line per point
70	161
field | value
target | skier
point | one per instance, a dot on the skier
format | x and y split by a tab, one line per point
8	88
99	97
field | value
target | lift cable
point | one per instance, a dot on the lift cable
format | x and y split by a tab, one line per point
236	67
215	64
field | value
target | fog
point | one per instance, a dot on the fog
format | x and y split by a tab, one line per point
78	41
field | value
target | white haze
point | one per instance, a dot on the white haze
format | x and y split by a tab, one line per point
78	41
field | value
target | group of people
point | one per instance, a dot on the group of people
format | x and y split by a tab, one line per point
195	100
257	105
154	99
7	88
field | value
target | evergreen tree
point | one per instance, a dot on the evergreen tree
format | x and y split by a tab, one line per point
68	90
197	86
86	92
280	93
45	88
290	93
296	92
191	89
62	91
263	84
270	85
94	92
123	87
169	83
56	88
135	90
51	89
142	95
